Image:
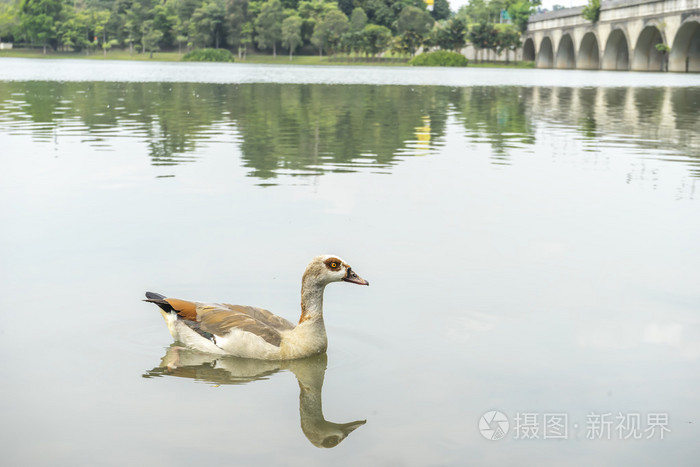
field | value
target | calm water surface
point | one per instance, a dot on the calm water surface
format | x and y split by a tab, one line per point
531	238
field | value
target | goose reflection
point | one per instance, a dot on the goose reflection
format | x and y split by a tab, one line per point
310	372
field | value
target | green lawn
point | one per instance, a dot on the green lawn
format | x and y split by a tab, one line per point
280	59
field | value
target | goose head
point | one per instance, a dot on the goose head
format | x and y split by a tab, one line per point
325	269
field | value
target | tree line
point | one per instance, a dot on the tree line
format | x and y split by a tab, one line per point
364	27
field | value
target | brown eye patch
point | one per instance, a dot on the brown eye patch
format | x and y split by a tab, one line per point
333	264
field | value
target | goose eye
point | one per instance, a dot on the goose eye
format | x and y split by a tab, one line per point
334	265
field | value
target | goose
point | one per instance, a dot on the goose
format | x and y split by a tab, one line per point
251	332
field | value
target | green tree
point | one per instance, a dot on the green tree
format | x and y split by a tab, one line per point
450	34
413	25
99	21
38	21
520	12
9	21
208	24
72	33
150	37
329	31
507	38
592	11
291	33
247	32
346	6
376	38
483	35
441	10
237	15
352	41
358	20
268	25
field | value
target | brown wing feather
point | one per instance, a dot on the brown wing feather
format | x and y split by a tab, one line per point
262	315
184	309
220	319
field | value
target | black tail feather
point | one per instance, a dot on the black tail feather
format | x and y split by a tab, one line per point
154	296
159	300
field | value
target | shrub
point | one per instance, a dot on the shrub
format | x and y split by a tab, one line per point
208	55
439	58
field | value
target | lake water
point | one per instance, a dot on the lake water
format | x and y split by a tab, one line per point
532	239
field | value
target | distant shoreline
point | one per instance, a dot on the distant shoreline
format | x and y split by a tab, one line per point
256	59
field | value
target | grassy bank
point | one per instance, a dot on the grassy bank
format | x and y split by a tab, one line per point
280	59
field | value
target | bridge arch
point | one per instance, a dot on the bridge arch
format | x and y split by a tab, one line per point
589	52
646	56
685	51
616	55
529	50
545	57
566	55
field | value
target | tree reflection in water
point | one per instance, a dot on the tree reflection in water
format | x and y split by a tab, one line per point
311	129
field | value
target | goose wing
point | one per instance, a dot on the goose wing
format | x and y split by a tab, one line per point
220	319
210	320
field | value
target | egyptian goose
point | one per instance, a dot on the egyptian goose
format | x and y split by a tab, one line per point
250	332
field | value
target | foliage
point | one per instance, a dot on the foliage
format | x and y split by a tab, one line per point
592	11
449	35
507	38
291	33
208	55
482	11
268	25
330	30
663	48
441	10
376	38
483	35
147	26
439	58
520	12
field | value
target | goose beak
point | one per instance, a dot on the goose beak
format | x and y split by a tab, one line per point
354	278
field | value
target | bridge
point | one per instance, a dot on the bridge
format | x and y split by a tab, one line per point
624	37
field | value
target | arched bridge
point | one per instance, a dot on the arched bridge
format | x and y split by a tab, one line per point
624	37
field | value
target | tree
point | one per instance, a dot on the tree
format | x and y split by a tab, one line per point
592	11
247	32
414	25
237	14
208	22
38	21
483	36
520	12
441	10
346	6
376	38
268	25
352	41
507	38
450	34
9	21
291	33
664	49
150	38
358	20
99	20
328	32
